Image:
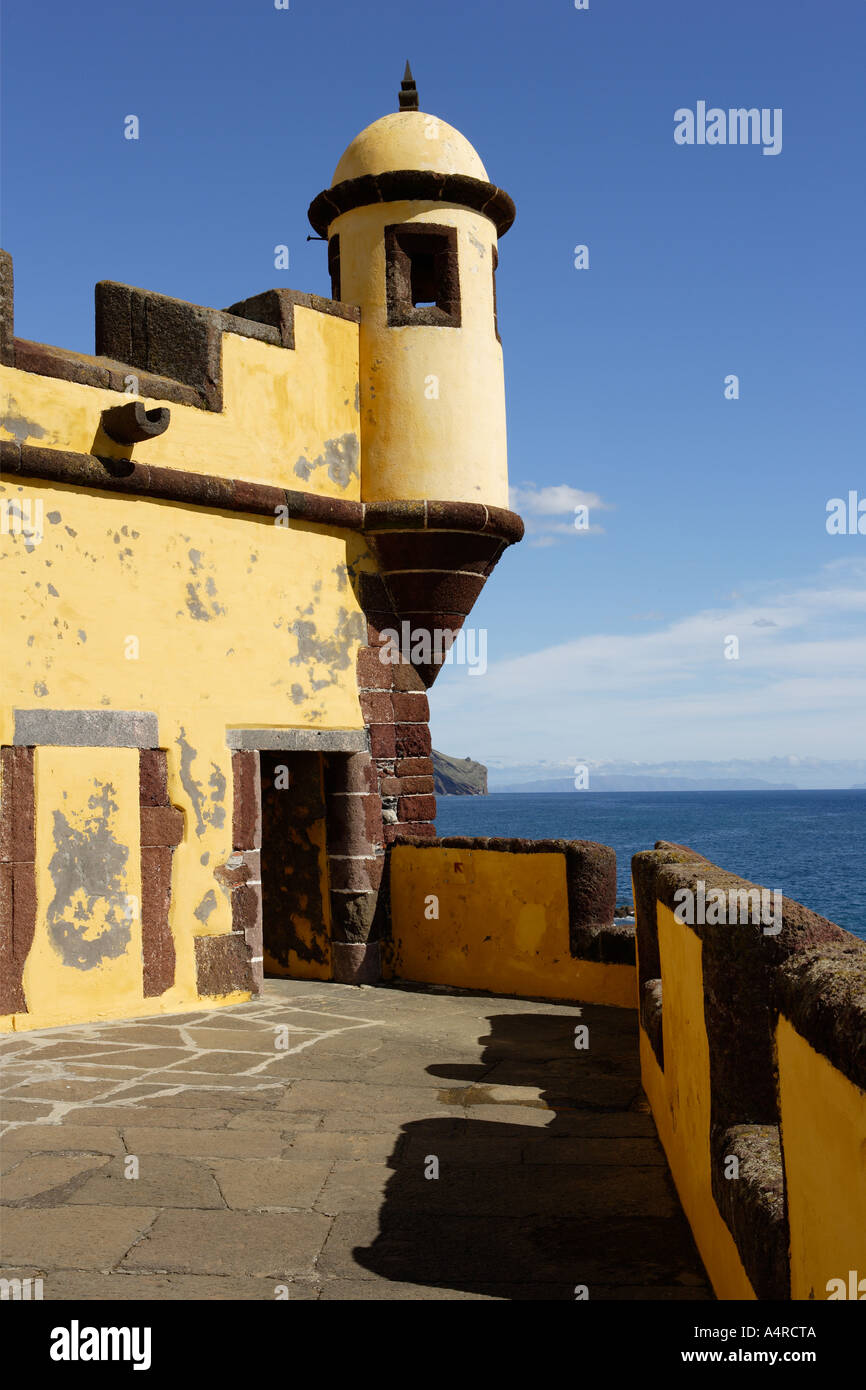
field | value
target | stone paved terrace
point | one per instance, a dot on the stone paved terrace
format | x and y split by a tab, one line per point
304	1164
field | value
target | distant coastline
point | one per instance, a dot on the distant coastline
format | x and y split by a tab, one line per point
465	776
557	785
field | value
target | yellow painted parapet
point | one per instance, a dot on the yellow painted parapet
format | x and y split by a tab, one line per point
280	409
511	917
753	1012
680	1099
821	1060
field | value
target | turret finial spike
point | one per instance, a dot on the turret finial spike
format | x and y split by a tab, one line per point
408	91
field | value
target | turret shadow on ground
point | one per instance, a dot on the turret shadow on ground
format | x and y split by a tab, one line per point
555	1186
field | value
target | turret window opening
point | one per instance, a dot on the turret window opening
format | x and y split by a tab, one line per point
423	270
334	265
422	275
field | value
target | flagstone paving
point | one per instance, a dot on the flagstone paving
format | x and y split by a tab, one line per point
329	1142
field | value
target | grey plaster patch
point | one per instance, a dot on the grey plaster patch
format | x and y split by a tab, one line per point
195	605
21	428
300	740
334	651
192	788
217	784
86	870
213	814
340	458
206	906
86	728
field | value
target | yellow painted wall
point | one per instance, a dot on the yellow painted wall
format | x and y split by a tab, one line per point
502	926
212	599
238	621
823	1117
281	406
680	1100
454	447
208	619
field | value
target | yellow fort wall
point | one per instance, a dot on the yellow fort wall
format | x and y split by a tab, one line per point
207	619
823	1119
502	926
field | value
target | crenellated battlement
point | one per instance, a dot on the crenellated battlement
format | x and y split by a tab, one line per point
266	391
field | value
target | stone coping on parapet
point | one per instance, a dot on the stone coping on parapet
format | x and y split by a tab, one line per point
590	871
741	962
261	499
412	185
822	992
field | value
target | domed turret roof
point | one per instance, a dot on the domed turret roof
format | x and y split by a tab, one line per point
409	140
410	156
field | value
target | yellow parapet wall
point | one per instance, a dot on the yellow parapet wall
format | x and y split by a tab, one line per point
680	1100
823	1117
289	416
821	1067
493	920
751	1040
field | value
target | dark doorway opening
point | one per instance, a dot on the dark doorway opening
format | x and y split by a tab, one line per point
296	918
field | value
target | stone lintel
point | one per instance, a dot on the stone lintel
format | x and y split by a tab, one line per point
86	728
300	740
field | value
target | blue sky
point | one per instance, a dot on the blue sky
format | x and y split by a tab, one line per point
704	261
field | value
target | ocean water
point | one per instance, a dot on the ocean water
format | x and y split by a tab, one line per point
809	845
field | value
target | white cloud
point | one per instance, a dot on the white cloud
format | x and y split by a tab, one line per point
539	506
799	685
557	500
